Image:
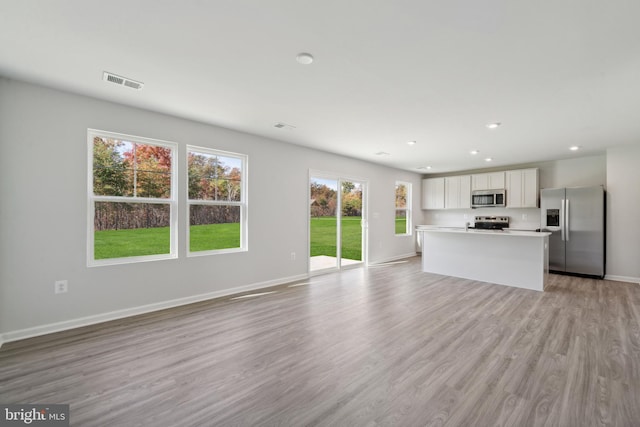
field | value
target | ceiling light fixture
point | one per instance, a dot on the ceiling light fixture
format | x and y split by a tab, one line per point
494	125
382	153
411	142
424	167
488	159
474	152
304	58
574	148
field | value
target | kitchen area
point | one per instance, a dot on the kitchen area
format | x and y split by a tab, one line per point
503	227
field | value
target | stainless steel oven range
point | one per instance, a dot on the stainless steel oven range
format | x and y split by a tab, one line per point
491	222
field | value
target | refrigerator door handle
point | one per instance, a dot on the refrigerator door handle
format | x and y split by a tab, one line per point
562	220
566	215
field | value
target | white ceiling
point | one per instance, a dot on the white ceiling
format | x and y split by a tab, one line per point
554	73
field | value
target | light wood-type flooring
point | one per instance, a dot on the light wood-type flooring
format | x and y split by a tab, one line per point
378	346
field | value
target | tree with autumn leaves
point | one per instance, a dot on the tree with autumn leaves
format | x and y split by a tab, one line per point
210	178
129	169
324	201
122	168
401	196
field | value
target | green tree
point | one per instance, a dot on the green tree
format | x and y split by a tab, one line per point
351	199
347	187
109	168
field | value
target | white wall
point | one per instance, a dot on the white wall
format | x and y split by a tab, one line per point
623	213
43	212
576	172
526	219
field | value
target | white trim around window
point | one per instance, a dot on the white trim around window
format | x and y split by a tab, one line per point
217	203
403	206
133	195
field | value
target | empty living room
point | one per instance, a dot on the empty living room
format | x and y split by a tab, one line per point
335	213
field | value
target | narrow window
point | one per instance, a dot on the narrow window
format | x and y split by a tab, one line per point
132	199
217	201
403	208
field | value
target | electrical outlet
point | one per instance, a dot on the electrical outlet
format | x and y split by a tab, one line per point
60	286
293	256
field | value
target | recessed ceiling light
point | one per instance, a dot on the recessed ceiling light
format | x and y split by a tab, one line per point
424	167
411	142
304	58
574	148
382	153
474	152
493	125
488	159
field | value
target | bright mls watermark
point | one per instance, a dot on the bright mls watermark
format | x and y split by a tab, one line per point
34	415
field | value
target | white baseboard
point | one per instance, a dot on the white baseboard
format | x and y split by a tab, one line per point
622	278
395	258
128	312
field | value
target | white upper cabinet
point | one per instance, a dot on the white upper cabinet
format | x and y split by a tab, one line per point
457	192
454	192
488	181
465	192
522	188
433	193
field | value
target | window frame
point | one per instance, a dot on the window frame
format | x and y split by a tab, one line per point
243	203
92	199
407	209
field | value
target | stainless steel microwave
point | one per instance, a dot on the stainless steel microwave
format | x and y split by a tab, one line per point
488	198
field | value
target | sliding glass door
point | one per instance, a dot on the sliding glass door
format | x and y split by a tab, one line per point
337	219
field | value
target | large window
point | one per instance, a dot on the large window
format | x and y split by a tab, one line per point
217	201
403	208
132	199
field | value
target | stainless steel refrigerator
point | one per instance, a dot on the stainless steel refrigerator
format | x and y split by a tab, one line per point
576	219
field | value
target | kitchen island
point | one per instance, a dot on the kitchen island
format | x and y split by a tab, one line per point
512	258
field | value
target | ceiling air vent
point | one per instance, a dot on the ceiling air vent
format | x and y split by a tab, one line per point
122	81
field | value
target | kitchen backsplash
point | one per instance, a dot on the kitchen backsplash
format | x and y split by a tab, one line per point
526	219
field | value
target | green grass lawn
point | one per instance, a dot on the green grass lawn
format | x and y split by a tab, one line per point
401	225
128	243
323	237
154	241
214	236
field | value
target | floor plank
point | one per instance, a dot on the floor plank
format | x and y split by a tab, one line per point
383	346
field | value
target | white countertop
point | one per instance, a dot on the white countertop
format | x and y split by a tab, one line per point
458	230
